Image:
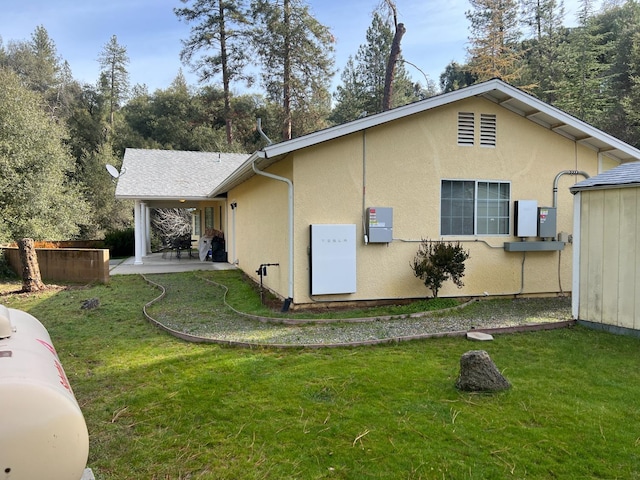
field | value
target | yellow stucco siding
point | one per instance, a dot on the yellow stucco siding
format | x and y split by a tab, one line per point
610	245
401	164
261	227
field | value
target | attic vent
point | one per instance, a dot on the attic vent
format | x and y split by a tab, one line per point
487	130
466	127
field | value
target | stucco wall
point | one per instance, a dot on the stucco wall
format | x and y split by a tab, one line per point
401	165
610	245
260	224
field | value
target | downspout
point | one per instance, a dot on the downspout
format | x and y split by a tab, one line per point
287	302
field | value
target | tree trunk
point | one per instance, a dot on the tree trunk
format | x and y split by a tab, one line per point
31	281
286	74
391	67
225	73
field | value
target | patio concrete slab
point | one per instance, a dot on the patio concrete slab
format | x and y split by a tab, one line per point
159	263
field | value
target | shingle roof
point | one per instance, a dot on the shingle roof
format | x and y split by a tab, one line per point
173	174
627	174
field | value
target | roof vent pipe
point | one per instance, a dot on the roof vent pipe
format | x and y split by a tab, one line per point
557	179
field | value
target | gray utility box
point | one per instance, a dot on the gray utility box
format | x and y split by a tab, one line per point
380	224
547	222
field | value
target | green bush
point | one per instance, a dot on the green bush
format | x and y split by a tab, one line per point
6	273
436	262
121	243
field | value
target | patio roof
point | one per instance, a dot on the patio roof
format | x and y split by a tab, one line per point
159	175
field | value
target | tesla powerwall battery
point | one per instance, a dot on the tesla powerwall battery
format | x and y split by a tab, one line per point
333	259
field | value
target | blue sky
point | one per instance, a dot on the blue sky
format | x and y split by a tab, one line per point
436	33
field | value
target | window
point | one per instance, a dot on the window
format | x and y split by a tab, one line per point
208	217
466	129
196	223
470	207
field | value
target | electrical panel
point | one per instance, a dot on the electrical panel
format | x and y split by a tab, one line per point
547	222
380	224
526	218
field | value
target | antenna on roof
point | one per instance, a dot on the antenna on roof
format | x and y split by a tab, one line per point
113	171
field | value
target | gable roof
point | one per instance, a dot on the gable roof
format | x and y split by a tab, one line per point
625	175
494	90
173	174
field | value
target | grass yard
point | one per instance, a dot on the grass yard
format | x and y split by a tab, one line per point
159	408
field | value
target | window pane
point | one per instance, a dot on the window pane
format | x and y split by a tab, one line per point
456	207
208	217
493	208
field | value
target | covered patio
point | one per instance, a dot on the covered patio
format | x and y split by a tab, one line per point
175	179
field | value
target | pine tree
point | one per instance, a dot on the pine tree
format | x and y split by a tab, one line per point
494	36
544	19
363	79
296	56
217	45
585	64
114	77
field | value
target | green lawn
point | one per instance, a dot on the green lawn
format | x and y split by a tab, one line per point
160	408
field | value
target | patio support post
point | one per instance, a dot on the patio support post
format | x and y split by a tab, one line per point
138	234
147	229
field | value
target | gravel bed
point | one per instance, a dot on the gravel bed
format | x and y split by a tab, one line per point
221	324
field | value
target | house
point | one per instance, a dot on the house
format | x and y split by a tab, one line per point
174	179
338	215
606	270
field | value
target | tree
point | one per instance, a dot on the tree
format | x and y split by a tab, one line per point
37	198
220	27
363	79
544	20
583	91
394	55
114	77
296	55
493	40
456	76
437	262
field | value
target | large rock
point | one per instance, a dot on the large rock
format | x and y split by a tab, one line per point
478	373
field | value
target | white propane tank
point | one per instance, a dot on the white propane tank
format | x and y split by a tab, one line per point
43	434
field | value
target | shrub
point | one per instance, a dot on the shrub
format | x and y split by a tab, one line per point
120	242
6	273
437	262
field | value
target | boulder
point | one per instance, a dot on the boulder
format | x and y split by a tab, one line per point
478	373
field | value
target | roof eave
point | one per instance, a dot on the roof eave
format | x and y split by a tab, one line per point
604	186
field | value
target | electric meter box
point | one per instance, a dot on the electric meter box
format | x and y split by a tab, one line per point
380	224
547	222
526	218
